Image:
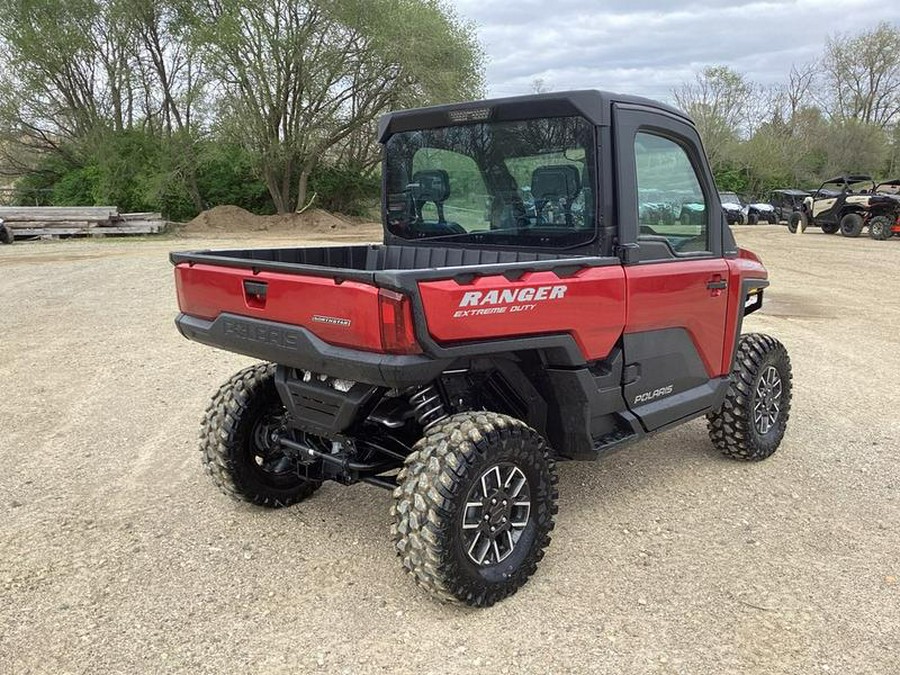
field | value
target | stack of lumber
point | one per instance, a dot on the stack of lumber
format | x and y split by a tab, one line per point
55	221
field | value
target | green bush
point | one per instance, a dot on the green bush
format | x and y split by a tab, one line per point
137	171
731	180
76	187
227	175
344	189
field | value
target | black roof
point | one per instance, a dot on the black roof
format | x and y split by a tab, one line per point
849	178
595	106
893	181
792	191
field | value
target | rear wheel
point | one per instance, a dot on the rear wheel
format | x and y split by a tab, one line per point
474	507
880	227
851	225
238	440
772	219
797	221
6	235
752	420
830	228
753	219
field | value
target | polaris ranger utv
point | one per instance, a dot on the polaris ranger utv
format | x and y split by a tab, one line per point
455	363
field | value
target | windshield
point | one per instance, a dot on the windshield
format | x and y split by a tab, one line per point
729	198
525	183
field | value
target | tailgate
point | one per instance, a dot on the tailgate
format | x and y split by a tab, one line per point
344	313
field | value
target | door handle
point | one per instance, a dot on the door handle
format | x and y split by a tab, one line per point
717	284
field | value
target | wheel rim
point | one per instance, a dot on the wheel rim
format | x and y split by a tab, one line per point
266	454
497	511
767	408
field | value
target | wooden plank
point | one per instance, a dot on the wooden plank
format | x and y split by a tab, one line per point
130	229
83	231
53	231
36	224
57	213
147	215
133	223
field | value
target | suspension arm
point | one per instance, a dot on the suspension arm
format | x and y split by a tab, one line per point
337	460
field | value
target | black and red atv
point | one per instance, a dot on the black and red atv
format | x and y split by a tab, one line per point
886	224
458	361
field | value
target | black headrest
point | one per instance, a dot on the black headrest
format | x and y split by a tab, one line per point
555	181
432	185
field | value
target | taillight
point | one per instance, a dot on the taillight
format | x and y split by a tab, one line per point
398	335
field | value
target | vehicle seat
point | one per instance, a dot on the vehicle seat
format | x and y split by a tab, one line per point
556	183
433	186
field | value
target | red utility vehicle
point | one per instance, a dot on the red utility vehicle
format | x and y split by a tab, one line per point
528	305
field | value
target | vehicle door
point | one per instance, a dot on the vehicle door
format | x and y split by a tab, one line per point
670	216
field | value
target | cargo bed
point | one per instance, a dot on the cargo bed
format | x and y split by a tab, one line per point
319	307
357	262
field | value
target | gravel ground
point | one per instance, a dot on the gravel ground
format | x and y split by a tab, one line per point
117	555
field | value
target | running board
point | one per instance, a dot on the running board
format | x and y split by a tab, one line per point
613	441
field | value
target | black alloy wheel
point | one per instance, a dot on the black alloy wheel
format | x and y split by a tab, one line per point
496	514
880	228
753	418
767	400
239	441
474	507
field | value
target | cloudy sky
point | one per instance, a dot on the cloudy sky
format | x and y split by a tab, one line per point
647	47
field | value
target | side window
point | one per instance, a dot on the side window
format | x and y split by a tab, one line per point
670	201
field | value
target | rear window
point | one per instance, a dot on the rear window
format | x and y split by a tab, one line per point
524	183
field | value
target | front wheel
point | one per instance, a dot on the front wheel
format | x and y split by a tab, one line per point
238	438
830	228
772	219
880	228
6	235
752	420
474	507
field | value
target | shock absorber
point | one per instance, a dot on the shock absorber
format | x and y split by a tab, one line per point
427	406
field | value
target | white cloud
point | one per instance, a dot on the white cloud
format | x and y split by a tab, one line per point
648	47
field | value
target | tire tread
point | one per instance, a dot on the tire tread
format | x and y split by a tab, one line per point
730	427
429	485
219	431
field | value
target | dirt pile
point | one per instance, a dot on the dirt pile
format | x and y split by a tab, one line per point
236	219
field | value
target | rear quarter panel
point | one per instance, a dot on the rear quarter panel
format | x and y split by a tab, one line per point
590	306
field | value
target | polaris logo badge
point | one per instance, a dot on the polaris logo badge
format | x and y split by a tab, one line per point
331	320
656	393
507	300
269	335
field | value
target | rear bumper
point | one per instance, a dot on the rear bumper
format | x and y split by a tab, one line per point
298	348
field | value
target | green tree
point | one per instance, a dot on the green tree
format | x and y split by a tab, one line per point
861	76
718	101
301	79
84	73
